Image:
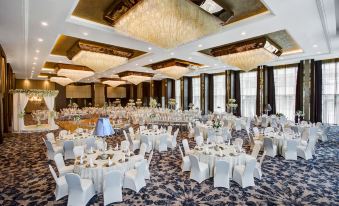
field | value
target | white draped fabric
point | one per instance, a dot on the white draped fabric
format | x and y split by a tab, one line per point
21	102
49	100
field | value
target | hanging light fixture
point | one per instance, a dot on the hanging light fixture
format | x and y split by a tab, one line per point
135	77
63	81
73	72
248	54
184	22
174	68
98	57
113	82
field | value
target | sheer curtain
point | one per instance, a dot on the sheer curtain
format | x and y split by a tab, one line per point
330	92
219	90
177	94
196	92
285	80
248	91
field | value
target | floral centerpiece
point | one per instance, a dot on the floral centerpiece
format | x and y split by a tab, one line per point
171	103
131	103
216	124
299	115
138	102
232	105
77	119
75	105
279	114
152	116
153	103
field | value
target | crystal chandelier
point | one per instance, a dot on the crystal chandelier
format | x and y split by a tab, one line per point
135	77
166	23
98	57
114	83
73	72
249	54
61	80
174	68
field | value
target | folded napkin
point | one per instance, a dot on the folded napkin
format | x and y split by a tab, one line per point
109	161
105	146
116	147
81	159
91	150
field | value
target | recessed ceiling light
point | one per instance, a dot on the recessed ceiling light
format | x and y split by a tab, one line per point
43	23
315	45
33	67
243	33
36	58
318	52
136	64
172	53
189	57
34	63
150	48
40	40
85	34
215	64
37	51
151	60
200	45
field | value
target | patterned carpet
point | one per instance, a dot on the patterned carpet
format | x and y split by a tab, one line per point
26	180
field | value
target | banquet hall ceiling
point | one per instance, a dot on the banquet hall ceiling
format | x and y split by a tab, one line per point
31	31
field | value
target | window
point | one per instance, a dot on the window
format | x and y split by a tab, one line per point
248	90
177	94
285	82
219	92
330	92
196	92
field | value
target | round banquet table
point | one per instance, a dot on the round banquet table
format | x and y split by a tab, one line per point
78	139
225	152
101	166
153	136
281	139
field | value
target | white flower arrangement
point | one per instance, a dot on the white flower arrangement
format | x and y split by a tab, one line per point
35	92
153	103
232	103
299	113
75	105
217	124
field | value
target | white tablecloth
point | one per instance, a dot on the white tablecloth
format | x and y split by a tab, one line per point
96	173
78	139
153	136
230	156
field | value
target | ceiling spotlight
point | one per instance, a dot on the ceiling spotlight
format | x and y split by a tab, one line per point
215	64
200	45
318	52
136	64
243	33
34	63
315	46
43	23
150	48
189	57
85	34
151	60
172	53
37	51
40	40
36	58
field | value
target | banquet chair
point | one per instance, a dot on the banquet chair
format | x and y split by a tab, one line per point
306	152
268	130
124	145
68	150
131	133
256	150
125	134
142	128
147	172
238	142
257	170
134	143
226	134
162	143
199	140
90	143
62	133
199	170
186	147
196	132
143	149
61	188
237	125
303	122
155	127
256	132
270	147
221	174
289	151
321	132
190	130
52	150
134	178
257	121
50	137
60	164
169	130
78	151
112	187
79	130
146	140
80	191
172	140
264	121
186	164
244	174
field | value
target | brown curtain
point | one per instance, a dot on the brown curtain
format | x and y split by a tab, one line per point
237	94
316	91
270	89
210	93
299	88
